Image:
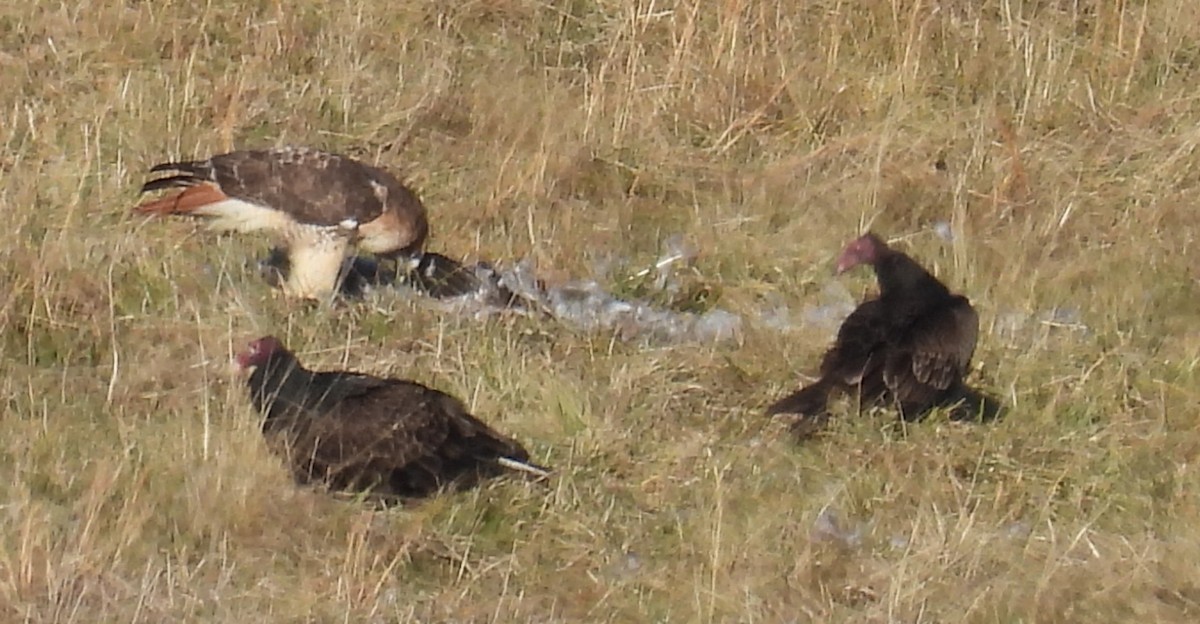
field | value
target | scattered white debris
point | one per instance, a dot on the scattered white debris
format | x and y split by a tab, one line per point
944	231
1019	530
1013	323
625	565
830	527
482	289
774	313
833	305
588	305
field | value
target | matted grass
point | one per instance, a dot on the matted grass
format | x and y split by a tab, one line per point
1057	139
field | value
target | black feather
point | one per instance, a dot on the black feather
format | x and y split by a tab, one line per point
443	277
807	401
199	168
175	181
167	166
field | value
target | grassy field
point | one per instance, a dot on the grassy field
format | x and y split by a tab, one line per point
1057	138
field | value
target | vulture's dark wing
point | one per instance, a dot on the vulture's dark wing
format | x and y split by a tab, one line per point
335	387
379	423
859	340
392	424
933	354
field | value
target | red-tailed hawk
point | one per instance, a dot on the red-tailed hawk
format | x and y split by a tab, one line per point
911	346
391	438
317	203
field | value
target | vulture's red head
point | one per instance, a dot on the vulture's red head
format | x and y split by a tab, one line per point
866	249
258	351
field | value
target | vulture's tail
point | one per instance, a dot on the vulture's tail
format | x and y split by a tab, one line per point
810	404
807	401
525	467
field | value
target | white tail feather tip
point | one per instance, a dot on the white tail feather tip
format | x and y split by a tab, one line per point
513	464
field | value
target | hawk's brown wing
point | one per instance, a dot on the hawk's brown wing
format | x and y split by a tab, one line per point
312	186
295	185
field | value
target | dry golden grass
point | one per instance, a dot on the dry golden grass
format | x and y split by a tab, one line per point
1058	138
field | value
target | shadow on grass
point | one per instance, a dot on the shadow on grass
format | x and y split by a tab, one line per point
967	405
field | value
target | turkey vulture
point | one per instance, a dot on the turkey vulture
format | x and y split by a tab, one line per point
910	346
390	438
318	203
